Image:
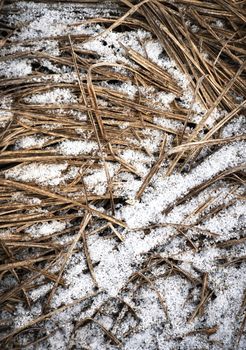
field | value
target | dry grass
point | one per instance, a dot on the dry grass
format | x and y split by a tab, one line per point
213	77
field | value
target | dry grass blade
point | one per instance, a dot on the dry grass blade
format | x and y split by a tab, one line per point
154	169
117	22
110	335
184	46
199	144
160	297
200	305
49	194
48	315
68	255
87	254
23	263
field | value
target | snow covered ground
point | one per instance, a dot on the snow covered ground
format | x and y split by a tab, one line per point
172	276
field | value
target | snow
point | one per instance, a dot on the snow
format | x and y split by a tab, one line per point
155	53
97	182
110	48
43	174
5	113
236	126
16	68
166	190
74	148
46	228
152	230
31	141
60	96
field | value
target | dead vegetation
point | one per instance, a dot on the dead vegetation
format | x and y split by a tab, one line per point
212	56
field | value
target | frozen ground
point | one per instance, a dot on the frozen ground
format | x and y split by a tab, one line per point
173	275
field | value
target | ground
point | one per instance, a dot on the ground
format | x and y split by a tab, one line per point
121	177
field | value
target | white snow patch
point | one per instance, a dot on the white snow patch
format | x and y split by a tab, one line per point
44	174
46	228
58	95
75	148
31	141
166	190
